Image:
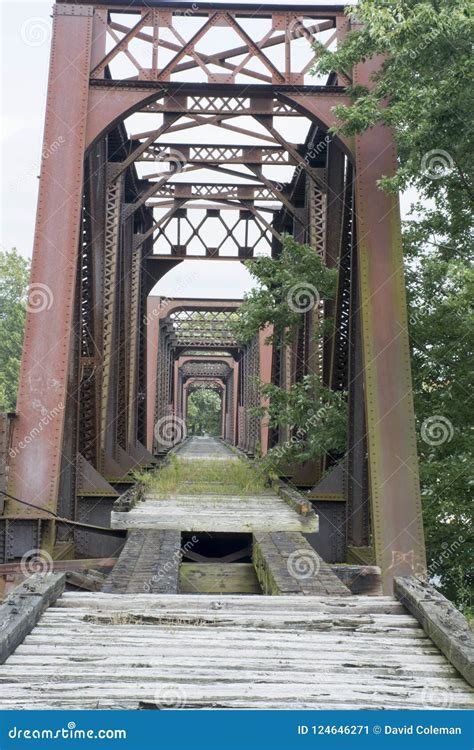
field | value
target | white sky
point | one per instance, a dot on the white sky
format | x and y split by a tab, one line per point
24	38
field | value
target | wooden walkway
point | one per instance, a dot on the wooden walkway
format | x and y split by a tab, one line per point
273	628
93	651
216	511
202	448
149	563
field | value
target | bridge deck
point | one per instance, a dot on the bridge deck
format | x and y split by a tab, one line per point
199	448
217	510
197	651
318	648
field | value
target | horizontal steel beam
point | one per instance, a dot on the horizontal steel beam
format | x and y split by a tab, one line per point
240	9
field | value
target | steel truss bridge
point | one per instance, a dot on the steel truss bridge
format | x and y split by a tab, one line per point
196	131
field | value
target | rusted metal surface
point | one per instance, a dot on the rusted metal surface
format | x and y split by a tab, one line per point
6	424
35	469
103	365
394	483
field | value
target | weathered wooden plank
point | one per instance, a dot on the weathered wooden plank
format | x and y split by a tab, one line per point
216	693
164	627
215	673
24	606
211	522
360	579
84	581
103	703
148	563
60	566
363	605
221	578
287	564
295	499
102	648
441	621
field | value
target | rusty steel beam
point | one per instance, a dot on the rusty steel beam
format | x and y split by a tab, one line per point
44	379
84	358
394	483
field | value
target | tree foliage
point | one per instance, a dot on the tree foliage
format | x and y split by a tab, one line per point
423	92
204	412
286	286
440	298
315	416
14	276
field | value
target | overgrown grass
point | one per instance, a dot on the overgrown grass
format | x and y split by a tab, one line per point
181	476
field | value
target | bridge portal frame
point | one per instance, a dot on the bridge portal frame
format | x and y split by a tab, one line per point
49	367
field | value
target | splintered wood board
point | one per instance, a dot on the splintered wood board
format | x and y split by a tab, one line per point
215	513
96	650
218	578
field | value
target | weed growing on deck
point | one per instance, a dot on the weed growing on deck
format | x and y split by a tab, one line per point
185	477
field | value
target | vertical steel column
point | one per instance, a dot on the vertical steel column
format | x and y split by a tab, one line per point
153	334
358	510
112	244
229	389
91	305
35	470
265	368
316	207
134	351
394	483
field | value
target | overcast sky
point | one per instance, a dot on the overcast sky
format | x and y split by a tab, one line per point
25	39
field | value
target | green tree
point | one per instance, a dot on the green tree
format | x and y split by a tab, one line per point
288	286
204	412
14	276
440	295
315	416
423	92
